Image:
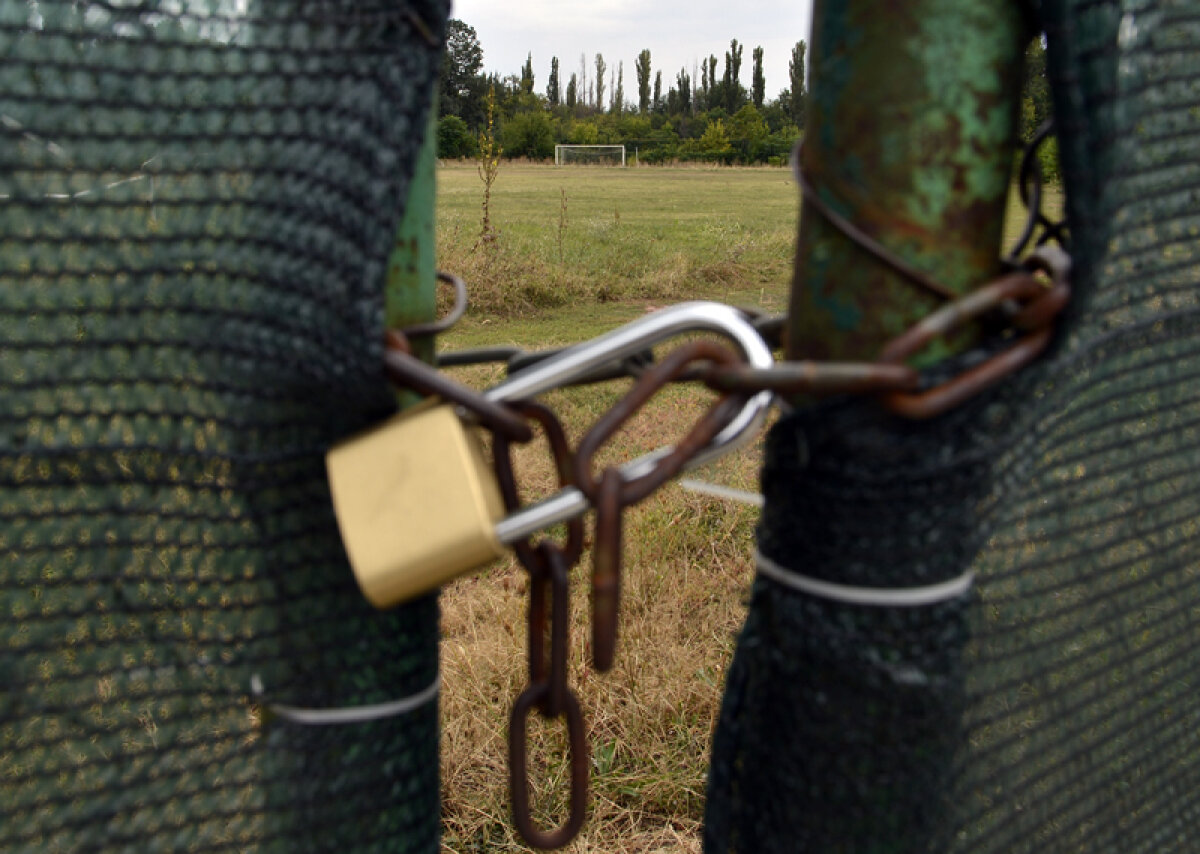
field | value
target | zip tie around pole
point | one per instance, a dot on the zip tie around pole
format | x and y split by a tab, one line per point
882	597
718	491
349	714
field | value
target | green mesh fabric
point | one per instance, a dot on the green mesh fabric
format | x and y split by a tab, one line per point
197	201
1057	707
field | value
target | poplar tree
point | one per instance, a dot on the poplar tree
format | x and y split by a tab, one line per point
709	100
572	92
618	102
601	67
582	88
657	91
643	79
733	73
552	84
527	75
759	86
685	91
796	71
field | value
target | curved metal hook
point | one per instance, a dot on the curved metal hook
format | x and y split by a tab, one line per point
627	340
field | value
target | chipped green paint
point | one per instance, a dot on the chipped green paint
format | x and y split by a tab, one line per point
410	292
911	134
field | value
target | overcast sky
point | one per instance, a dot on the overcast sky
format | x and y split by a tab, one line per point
678	34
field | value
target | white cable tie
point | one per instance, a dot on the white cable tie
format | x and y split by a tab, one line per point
349	714
718	491
883	597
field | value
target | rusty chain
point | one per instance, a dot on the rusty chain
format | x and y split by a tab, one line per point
610	493
1027	301
548	566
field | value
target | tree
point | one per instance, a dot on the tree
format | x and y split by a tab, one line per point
1036	108
552	87
798	90
643	80
461	86
658	91
454	139
759	86
618	103
601	67
583	133
529	134
572	93
673	106
777	114
709	100
685	92
1035	90
582	90
747	130
527	75
732	94
733	59
714	142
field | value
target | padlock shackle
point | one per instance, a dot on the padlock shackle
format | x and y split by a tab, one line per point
633	338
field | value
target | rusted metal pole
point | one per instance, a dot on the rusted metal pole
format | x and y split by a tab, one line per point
842	713
911	129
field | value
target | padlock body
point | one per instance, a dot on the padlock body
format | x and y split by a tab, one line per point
416	502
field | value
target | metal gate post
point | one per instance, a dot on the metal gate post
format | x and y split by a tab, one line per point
411	286
842	712
912	114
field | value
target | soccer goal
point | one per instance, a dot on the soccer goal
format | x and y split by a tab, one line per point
604	155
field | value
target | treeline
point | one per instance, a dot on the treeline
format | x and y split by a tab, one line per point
714	118
705	115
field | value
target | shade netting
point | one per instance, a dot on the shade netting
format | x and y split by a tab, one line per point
197	203
1055	706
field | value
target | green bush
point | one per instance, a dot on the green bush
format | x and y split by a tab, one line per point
454	139
529	134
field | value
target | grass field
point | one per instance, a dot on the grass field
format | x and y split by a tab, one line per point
633	240
605	235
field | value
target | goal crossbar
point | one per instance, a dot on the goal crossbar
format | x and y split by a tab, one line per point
563	153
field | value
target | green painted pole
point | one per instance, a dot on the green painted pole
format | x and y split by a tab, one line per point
410	292
911	129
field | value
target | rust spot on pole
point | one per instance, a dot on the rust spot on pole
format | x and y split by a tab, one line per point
911	135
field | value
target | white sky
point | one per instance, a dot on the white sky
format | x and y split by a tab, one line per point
678	34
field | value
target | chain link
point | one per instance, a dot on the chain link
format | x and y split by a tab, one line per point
548	566
407	371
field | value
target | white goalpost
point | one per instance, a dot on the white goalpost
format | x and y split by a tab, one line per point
612	155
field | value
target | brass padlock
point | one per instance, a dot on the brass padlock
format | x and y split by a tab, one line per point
416	502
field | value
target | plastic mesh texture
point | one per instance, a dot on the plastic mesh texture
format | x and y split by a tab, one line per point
1056	708
197	202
